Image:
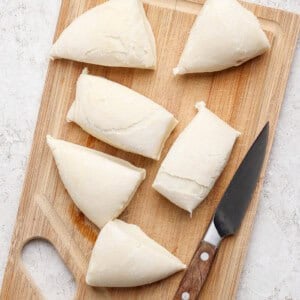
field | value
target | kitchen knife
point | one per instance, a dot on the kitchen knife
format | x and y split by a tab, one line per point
227	218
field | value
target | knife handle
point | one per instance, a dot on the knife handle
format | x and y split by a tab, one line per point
196	273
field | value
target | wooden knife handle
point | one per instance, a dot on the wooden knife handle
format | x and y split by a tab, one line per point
196	273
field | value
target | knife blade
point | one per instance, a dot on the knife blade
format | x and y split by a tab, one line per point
227	218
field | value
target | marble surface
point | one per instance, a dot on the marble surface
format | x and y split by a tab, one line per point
272	269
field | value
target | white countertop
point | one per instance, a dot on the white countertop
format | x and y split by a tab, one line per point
272	269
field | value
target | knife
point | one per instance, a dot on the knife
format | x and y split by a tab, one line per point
227	218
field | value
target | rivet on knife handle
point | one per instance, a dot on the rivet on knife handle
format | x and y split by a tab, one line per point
196	273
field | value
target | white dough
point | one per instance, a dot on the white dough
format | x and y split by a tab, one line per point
225	34
120	116
124	256
100	185
196	160
116	33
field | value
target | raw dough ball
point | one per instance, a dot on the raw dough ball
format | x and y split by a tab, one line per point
196	160
116	33
225	34
120	116
100	185
124	256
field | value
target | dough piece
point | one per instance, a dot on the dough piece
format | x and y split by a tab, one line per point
100	185
225	34
116	33
196	160
120	117
124	256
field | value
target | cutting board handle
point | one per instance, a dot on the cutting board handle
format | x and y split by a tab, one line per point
54	231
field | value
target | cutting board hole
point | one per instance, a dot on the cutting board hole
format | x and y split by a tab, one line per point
48	270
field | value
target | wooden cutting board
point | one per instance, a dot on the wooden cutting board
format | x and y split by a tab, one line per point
245	97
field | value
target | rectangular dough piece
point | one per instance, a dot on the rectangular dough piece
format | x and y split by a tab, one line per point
120	116
196	160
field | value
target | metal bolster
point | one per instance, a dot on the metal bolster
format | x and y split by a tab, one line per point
212	235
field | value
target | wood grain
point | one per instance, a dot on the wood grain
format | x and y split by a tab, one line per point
197	272
245	97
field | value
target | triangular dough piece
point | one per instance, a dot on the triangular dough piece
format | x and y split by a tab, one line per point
225	34
100	185
120	116
124	256
116	33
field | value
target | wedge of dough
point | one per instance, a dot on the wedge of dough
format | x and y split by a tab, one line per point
124	256
120	117
116	33
225	34
100	185
196	160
